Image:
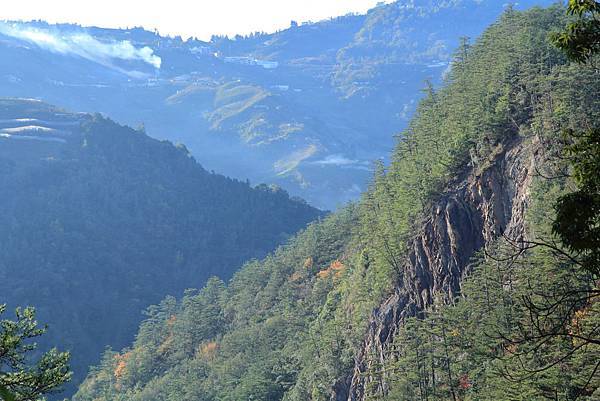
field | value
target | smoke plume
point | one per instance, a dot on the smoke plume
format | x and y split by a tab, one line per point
81	44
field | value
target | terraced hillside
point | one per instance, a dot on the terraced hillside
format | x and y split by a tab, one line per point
309	108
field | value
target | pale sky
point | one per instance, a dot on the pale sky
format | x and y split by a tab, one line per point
200	18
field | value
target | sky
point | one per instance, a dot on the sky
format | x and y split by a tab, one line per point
188	18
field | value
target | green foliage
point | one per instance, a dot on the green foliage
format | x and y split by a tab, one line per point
518	332
577	222
497	90
475	349
243	341
526	325
94	230
289	327
580	40
6	395
20	378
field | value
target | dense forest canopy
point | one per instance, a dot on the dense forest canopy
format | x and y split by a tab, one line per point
468	271
98	221
291	327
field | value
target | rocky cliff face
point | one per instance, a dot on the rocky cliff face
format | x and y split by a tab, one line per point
490	201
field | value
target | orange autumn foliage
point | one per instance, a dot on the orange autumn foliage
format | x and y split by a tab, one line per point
296	276
336	268
511	349
464	382
578	317
337	265
169	340
323	273
209	350
577	324
121	366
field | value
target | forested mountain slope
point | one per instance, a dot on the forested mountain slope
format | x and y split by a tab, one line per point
98	221
440	236
295	107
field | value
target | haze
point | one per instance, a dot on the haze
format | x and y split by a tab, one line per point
199	19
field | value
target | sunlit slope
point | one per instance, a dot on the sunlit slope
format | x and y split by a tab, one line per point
315	319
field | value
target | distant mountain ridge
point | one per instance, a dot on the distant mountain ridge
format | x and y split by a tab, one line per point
415	292
340	90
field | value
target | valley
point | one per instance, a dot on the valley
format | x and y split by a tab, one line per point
332	97
399	205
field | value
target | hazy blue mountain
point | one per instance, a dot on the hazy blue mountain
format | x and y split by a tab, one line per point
98	221
442	283
308	108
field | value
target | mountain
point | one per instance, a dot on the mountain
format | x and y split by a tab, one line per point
433	286
98	221
309	108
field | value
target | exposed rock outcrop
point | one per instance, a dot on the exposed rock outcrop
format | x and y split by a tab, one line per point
491	200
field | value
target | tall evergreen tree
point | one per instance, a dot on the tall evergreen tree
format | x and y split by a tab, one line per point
21	380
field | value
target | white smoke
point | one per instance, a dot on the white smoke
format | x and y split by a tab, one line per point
342	161
336	160
81	44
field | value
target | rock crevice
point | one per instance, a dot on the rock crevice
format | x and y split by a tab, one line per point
490	201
